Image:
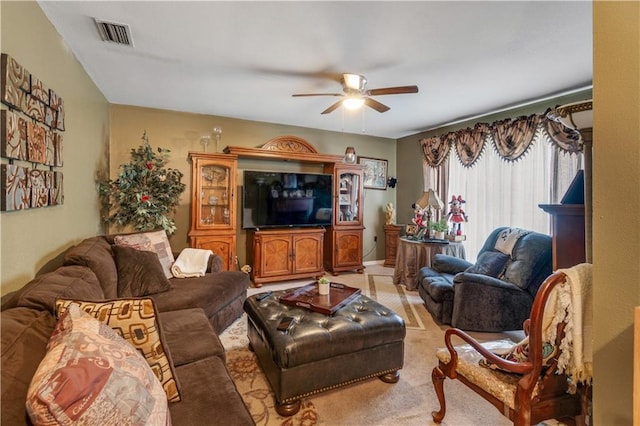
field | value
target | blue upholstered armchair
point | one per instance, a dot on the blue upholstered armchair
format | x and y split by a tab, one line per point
495	293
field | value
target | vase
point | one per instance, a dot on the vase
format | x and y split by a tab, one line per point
439	235
323	288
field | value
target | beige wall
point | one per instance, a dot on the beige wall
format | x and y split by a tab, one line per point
616	206
181	132
31	238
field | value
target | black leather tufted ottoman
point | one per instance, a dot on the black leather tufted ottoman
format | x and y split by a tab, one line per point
362	340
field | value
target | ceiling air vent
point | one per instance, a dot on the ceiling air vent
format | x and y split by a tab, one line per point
114	32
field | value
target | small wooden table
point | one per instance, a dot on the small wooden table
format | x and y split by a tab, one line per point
413	255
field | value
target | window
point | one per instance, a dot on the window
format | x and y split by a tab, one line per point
501	193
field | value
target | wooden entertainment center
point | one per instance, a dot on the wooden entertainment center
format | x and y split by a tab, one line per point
280	253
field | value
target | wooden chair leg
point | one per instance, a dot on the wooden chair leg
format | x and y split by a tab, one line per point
437	377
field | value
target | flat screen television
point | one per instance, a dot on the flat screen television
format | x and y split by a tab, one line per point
275	199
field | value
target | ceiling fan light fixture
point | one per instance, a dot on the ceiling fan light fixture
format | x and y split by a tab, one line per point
353	102
355	82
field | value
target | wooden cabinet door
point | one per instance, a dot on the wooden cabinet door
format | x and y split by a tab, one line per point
307	253
348	247
224	246
275	255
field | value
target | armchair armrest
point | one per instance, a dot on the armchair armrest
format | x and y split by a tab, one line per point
514	367
449	264
486	280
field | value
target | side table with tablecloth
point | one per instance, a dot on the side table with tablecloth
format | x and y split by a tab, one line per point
414	254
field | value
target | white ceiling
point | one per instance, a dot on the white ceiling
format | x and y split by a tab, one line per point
245	59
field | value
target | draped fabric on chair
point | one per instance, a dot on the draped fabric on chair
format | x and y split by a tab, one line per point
512	138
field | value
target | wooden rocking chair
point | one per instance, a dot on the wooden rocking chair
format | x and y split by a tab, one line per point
526	392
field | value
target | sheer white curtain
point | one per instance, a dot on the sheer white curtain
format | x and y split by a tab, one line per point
500	193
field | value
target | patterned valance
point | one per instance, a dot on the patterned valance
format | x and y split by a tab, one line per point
435	150
469	143
511	138
568	140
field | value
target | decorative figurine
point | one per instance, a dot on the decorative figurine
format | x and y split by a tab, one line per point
456	214
390	214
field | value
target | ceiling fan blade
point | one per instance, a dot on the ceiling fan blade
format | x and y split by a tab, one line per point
372	103
332	108
317	94
392	90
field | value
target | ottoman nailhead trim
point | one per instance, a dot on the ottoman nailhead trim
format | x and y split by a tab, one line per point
348	382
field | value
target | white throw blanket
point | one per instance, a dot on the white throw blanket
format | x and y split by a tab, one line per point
191	263
572	302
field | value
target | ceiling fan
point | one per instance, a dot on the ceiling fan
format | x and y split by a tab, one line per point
355	95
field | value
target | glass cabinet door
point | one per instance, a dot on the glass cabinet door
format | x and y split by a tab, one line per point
348	198
214	209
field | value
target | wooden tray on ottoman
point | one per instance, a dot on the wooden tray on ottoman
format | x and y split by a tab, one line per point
308	297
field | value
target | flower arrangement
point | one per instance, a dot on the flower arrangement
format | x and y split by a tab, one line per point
145	192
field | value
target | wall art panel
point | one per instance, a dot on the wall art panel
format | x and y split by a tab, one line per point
34	108
57	193
13	135
39	90
36	144
14	190
39	190
29	133
15	82
50	158
57	146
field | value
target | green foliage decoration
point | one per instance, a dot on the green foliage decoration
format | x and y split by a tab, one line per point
145	193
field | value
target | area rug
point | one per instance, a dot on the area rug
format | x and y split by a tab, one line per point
371	402
394	297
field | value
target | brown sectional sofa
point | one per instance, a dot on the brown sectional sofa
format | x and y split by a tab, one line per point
190	315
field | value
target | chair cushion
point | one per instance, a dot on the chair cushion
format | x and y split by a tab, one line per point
497	383
490	263
90	375
439	288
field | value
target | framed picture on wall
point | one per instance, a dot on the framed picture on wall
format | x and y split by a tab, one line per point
375	172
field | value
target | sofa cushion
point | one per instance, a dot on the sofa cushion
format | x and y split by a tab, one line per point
95	253
190	336
90	375
135	320
212	293
65	282
139	272
156	242
490	263
24	335
214	400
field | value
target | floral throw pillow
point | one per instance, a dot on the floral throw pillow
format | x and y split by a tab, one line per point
90	375
135	321
156	242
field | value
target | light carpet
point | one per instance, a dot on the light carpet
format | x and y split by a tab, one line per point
371	402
